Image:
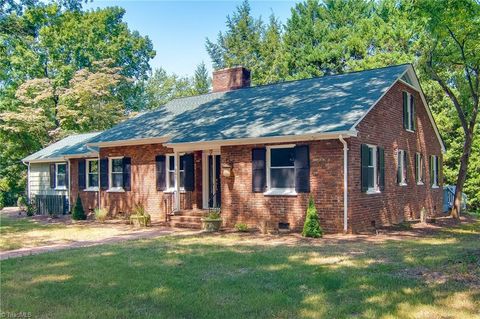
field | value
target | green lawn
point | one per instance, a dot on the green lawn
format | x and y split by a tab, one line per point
234	276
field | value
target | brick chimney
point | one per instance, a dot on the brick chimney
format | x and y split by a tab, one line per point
230	79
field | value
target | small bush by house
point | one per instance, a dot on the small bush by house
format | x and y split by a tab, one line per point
78	212
312	228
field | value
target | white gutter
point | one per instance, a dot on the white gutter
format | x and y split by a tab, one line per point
69	183
345	184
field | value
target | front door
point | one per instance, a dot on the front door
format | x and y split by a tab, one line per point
213	181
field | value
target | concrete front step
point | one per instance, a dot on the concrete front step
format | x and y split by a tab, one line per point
188	219
196	213
185	225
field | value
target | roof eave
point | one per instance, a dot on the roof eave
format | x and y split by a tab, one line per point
188	146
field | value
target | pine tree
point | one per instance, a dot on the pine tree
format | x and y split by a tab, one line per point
312	228
201	80
78	212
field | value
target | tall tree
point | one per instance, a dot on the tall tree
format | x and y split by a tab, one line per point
201	79
162	87
451	57
43	44
240	43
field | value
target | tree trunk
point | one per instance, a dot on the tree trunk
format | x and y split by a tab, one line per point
462	176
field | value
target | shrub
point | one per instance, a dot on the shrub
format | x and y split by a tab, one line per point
241	227
31	209
78	212
214	214
140	216
101	214
21	202
312	228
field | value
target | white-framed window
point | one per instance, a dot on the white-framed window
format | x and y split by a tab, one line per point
419	168
171	173
372	169
402	168
92	173
410	113
281	168
434	170
60	175
116	172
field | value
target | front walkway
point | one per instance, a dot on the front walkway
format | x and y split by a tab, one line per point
74	235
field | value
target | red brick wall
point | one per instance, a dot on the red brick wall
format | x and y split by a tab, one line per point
241	205
383	126
230	79
143	183
89	199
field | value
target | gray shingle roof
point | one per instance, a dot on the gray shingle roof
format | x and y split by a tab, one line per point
318	105
69	146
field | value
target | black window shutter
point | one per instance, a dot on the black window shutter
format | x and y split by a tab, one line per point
381	168
417	177
302	169
438	171
364	167
412	103
104	173
52	175
161	174
405	165
127	173
81	174
188	166
399	160
405	114
259	179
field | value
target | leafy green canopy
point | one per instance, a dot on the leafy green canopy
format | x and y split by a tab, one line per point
63	70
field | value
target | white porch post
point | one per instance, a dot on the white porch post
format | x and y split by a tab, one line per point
177	181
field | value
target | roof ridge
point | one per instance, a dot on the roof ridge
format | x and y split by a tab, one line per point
278	83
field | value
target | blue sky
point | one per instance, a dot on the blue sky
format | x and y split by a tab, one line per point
178	29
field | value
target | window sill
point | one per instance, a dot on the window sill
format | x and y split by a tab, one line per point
420	183
116	190
91	189
373	191
409	130
280	192
402	184
435	186
172	190
60	188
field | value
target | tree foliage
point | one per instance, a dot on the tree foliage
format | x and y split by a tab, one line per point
51	80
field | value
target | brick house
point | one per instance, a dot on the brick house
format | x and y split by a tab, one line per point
363	144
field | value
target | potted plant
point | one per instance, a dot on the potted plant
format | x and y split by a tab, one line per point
212	222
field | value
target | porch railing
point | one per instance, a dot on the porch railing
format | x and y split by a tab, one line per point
186	202
51	204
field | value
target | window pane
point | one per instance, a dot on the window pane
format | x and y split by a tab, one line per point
117	180
171	179
371	177
182	179
282	178
370	156
117	165
282	157
171	163
61	168
93	180
181	162
93	166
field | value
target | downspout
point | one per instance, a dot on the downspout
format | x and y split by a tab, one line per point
345	184
99	183
69	184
